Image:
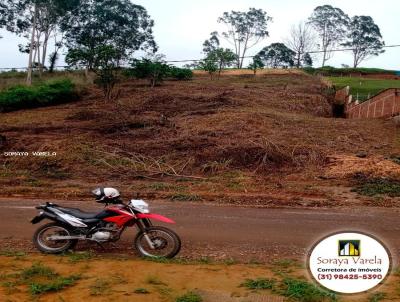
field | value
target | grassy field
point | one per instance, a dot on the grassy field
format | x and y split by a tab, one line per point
363	87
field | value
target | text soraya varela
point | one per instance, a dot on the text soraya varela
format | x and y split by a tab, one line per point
33	153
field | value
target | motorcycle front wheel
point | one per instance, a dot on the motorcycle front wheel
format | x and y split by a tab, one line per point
44	244
166	243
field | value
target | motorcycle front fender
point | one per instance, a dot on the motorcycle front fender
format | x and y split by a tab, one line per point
155	217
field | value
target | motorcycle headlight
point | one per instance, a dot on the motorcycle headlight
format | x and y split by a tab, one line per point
140	205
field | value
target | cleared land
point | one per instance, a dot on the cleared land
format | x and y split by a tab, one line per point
240	139
364	87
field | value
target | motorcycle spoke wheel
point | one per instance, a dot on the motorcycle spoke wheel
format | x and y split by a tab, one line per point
43	241
166	243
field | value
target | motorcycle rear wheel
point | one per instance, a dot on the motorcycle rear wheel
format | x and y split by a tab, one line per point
50	246
167	243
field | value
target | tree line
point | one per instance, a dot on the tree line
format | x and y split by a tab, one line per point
327	27
101	36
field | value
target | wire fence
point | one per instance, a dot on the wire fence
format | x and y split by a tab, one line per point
198	60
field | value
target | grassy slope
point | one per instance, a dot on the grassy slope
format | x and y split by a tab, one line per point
364	87
243	136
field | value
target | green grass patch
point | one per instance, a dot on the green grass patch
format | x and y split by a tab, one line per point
100	287
301	290
333	71
78	257
376	297
378	186
185	197
362	87
38	270
45	94
39	279
141	290
37	288
189	297
12	253
259	283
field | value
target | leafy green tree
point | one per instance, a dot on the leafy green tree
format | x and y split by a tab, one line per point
212	43
244	30
331	25
154	69
106	67
277	55
365	39
119	23
209	65
5	17
257	63
105	64
223	57
307	60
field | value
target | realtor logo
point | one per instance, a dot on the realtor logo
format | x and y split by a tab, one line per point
349	248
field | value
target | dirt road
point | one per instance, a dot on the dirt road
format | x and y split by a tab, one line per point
223	232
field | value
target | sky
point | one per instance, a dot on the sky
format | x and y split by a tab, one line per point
181	26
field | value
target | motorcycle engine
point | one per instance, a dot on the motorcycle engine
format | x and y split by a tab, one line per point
109	231
101	236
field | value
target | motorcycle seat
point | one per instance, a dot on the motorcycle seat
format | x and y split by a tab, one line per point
78	213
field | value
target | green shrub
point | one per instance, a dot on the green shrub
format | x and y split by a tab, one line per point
154	71
55	285
301	290
180	74
48	93
259	283
378	186
189	297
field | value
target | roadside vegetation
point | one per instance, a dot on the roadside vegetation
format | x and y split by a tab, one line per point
378	186
45	94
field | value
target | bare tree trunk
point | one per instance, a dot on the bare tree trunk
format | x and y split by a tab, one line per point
44	52
29	73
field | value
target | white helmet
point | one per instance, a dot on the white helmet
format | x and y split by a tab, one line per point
106	195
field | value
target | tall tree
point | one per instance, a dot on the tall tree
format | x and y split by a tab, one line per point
212	43
277	55
301	40
118	23
35	20
3	14
245	29
331	25
364	38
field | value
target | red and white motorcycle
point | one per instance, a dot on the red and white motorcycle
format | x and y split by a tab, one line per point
70	225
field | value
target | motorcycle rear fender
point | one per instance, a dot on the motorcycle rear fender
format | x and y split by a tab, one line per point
43	215
155	217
